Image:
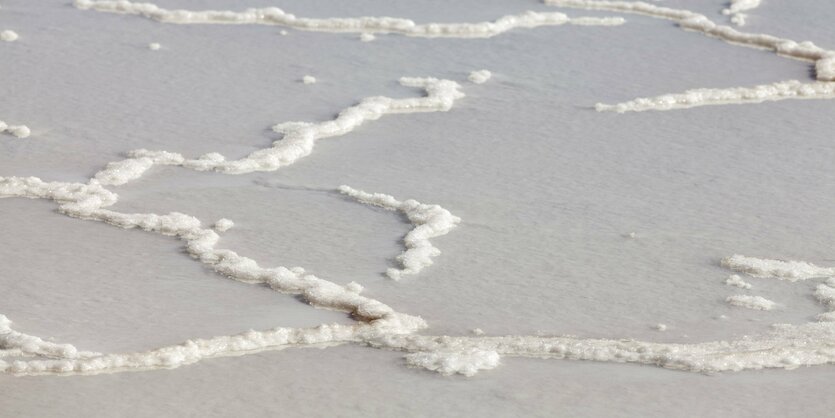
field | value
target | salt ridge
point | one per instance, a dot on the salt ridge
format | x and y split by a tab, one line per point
361	25
823	59
782	90
751	302
430	221
298	138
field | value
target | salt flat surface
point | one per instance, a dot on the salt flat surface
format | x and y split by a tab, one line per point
547	188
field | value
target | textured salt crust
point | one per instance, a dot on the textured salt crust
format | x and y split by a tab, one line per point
467	362
737	7
824	60
370	25
783	270
735	280
9	36
430	221
751	302
378	325
309	79
480	76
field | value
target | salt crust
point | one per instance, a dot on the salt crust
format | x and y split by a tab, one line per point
378	325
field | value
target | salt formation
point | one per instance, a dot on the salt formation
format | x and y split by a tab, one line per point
154	46
782	90
783	270
8	36
309	79
19	131
430	221
751	302
378	325
468	362
660	327
785	347
735	280
89	202
824	60
480	77
367	37
299	138
370	25
737	7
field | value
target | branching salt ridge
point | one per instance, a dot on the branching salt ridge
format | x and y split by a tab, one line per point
89	202
737	7
361	25
824	60
430	221
298	138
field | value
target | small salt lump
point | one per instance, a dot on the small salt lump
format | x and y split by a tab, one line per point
480	77
309	79
9	36
223	225
153	46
